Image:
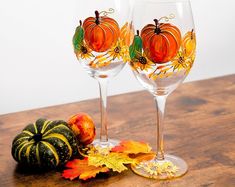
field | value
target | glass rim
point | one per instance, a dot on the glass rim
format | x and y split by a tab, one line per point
162	1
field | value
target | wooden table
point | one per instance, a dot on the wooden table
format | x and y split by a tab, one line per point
199	127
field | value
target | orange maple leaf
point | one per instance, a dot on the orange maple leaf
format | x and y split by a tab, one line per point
132	147
142	157
81	169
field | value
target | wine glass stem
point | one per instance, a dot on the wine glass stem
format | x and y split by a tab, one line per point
160	106
103	109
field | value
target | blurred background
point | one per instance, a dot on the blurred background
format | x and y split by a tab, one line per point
38	67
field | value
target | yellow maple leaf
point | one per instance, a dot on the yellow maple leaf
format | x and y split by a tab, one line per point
114	161
132	147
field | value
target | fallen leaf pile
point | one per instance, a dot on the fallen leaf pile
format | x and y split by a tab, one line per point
100	160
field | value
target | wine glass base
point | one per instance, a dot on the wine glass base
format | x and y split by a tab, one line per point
169	168
109	144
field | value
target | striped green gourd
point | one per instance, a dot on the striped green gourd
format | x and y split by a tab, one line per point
44	144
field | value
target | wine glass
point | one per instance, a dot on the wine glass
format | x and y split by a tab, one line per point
101	43
162	54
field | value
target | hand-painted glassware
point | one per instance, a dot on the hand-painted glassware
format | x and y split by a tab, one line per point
162	54
101	43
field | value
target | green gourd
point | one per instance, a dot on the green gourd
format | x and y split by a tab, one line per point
45	144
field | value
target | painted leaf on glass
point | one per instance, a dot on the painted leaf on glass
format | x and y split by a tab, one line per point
132	147
78	37
136	46
81	169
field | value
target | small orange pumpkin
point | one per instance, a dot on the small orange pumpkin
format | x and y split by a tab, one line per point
101	33
161	41
189	43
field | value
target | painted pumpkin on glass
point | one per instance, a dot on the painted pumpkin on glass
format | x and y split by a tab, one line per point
161	41
189	43
44	144
101	32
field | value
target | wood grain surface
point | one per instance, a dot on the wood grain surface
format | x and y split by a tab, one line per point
199	127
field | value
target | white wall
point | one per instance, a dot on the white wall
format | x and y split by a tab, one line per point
38	67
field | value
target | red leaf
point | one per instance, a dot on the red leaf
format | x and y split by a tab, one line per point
81	169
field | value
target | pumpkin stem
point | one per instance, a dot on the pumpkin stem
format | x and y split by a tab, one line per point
157	30
192	34
138	32
156	22
97	16
80	22
36	137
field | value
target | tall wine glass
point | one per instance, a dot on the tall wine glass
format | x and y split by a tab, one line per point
101	43
162	54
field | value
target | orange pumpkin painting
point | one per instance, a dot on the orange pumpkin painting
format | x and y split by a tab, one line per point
161	41
189	43
101	32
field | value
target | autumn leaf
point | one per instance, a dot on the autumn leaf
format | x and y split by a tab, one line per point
143	156
81	169
114	161
132	147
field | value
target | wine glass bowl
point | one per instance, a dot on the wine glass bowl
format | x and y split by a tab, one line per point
162	54
101	44
166	37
